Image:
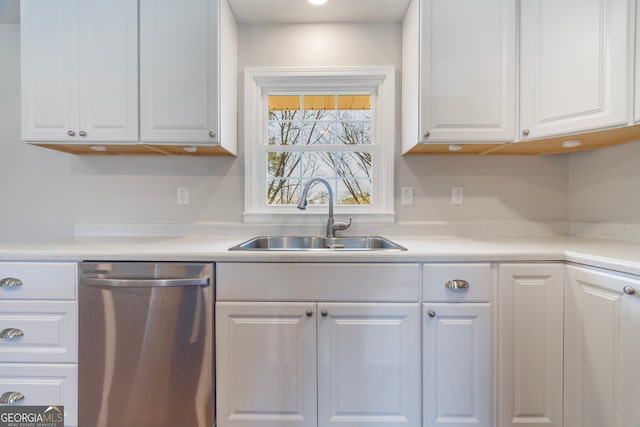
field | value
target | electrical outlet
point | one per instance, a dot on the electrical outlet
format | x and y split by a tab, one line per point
407	196
457	195
182	196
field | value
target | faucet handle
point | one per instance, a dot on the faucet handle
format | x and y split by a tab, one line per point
341	225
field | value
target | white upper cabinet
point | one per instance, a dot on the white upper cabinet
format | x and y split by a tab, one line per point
79	70
458	64
187	75
573	66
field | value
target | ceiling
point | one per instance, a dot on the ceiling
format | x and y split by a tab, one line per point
301	11
283	11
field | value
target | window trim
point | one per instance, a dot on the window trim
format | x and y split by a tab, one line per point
260	82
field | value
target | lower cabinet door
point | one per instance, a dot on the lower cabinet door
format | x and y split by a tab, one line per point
457	365
530	345
43	385
602	349
368	364
266	364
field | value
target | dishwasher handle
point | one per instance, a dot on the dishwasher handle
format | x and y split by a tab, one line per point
144	283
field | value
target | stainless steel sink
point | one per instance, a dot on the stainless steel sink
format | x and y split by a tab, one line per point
316	243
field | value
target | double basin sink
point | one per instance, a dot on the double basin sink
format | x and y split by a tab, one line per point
316	243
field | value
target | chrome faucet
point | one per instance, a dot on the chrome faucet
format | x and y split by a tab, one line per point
332	225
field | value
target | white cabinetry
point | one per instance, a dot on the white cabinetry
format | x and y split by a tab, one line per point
38	334
79	70
188	73
457	345
458	72
602	349
574	64
530	345
339	358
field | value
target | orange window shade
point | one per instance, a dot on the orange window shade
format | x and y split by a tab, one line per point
320	102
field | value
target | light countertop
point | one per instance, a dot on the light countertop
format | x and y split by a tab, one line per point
609	254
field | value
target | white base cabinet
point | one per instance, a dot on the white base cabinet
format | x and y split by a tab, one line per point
325	364
457	369
457	345
602	349
530	340
39	334
349	357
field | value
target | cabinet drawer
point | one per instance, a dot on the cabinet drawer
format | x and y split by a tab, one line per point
38	280
43	385
317	282
437	276
46	329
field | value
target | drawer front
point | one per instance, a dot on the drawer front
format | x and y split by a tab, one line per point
439	286
38	331
43	385
38	280
317	282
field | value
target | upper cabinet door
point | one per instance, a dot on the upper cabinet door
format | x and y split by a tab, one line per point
573	66
79	70
179	71
459	58
108	64
48	37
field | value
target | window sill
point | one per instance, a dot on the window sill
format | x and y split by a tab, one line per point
317	217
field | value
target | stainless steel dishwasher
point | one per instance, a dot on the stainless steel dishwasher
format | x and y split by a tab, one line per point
146	345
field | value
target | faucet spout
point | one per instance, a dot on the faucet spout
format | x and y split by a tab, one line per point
332	225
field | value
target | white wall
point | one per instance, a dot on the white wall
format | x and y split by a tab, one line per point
43	192
605	185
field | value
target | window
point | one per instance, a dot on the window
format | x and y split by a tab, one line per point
337	124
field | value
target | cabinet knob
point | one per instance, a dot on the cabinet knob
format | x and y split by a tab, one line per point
457	284
309	313
10	282
525	132
82	133
11	397
324	312
212	134
431	313
628	290
426	134
71	133
10	333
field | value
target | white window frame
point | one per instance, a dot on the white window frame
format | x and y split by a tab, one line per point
259	83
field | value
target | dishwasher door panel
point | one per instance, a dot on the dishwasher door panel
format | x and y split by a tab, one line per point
145	355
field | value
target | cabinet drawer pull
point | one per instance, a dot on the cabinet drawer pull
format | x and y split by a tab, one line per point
10	397
212	134
309	313
82	133
457	284
628	290
431	313
10	282
10	333
71	133
324	312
